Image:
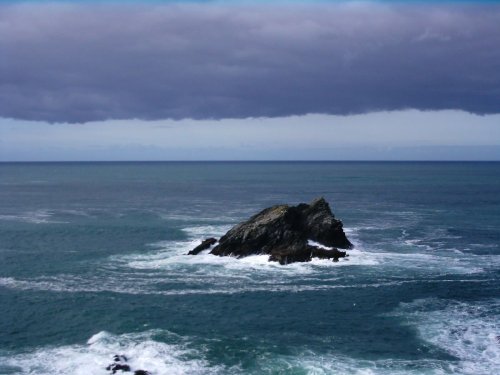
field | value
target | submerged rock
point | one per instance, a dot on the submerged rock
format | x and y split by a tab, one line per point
120	358
283	232
118	367
121	365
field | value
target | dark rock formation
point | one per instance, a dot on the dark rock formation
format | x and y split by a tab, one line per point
120	365
283	232
203	246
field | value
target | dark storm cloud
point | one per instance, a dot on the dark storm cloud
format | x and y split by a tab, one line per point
77	63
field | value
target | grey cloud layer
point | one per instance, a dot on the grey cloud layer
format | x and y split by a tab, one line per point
76	63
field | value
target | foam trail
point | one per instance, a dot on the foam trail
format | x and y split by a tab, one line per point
218	285
33	217
465	330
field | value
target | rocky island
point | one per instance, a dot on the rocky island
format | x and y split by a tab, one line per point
286	233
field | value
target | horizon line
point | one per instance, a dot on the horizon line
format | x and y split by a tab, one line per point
253	161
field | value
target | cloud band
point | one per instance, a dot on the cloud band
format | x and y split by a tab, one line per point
79	63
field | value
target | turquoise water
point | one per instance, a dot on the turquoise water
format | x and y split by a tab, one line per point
92	263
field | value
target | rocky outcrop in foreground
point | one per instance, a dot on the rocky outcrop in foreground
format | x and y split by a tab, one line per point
284	233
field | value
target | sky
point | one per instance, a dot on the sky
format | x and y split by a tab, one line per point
249	80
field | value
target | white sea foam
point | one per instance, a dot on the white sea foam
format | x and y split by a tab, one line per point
174	355
468	331
317	244
142	350
422	258
172	255
336	364
72	284
417	243
32	217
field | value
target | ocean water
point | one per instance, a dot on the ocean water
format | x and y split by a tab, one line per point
92	264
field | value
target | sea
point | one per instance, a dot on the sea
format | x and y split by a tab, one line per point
93	264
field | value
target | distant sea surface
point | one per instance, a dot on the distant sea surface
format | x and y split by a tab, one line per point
93	263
